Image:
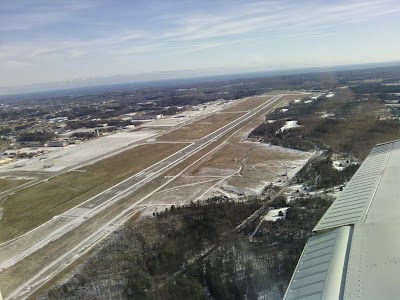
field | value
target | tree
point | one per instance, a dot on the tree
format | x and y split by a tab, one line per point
279	201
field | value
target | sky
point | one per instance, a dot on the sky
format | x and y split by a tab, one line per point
54	43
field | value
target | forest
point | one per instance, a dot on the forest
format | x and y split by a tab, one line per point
194	252
354	124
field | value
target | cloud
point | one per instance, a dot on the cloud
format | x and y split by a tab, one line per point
261	17
36	33
28	15
204	30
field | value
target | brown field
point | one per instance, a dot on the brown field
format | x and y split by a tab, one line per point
248	104
263	153
187	181
259	163
244	184
201	128
226	160
10	183
33	206
179	196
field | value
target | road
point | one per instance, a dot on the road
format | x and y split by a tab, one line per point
14	252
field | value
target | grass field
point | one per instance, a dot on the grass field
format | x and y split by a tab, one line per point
33	206
10	183
201	128
248	104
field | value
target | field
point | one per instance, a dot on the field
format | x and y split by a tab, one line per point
248	104
201	128
68	190
231	170
237	167
8	183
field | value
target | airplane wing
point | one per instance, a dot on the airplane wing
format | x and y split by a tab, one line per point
355	252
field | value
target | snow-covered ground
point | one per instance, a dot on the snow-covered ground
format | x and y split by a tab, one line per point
61	158
327	115
338	165
273	214
330	95
339	162
289	125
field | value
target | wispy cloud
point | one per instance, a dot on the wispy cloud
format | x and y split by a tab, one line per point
224	25
32	33
261	17
28	15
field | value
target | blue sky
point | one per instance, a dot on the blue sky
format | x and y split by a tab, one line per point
67	42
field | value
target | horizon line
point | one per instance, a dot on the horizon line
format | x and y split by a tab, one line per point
200	77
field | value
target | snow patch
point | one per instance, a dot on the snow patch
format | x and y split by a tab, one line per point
289	125
330	95
273	214
337	165
340	162
327	115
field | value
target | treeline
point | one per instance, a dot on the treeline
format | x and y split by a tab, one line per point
375	89
320	174
36	137
84	135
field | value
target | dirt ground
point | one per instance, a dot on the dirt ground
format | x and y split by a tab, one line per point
33	206
201	128
225	161
182	181
179	196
